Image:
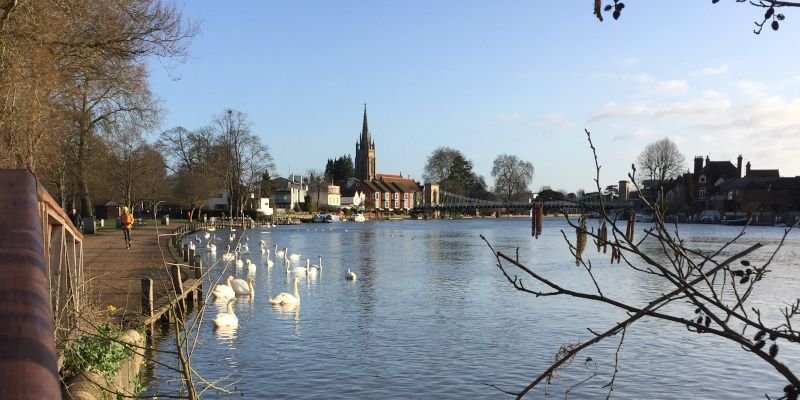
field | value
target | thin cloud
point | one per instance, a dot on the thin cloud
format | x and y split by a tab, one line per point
710	71
672	86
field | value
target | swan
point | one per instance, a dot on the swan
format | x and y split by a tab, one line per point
317	267
312	272
269	260
243	287
206	235
251	267
239	263
280	253
244	249
302	270
228	257
294	257
212	247
223	291
227	319
191	246
286	298
350	275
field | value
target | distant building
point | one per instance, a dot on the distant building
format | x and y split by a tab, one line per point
287	193
385	193
263	206
219	201
708	178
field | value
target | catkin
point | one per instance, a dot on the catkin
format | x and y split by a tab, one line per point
615	254
631	224
602	238
580	242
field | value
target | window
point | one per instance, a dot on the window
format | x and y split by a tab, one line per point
702	193
405	196
396	196
702	179
377	196
397	204
386	196
386	204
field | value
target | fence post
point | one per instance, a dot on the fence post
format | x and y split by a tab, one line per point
147	297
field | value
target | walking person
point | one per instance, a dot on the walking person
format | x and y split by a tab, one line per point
127	221
75	217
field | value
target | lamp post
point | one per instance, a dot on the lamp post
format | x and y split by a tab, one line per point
155	211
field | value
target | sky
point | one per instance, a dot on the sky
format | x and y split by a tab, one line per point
524	78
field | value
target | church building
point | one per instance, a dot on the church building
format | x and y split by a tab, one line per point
365	152
383	193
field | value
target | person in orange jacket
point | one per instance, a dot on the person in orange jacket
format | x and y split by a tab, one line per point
127	221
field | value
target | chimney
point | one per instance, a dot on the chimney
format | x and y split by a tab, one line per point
739	165
748	169
698	165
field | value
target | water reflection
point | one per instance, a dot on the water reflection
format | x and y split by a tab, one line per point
431	317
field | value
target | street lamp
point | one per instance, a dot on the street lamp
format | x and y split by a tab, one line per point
155	211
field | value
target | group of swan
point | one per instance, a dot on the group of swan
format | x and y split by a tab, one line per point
234	286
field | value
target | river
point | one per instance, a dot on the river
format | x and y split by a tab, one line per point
430	316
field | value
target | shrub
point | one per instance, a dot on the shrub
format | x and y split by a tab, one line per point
101	353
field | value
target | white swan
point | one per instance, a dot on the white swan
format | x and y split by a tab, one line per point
251	267
350	275
223	291
301	270
239	263
280	253
244	249
312	272
228	257
269	260
294	257
243	287
317	267
227	319
212	247
286	298
206	235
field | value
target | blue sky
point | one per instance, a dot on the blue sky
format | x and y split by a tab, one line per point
492	77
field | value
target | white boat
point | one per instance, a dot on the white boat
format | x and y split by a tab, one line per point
332	218
359	217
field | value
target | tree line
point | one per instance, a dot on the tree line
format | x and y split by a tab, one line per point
76	100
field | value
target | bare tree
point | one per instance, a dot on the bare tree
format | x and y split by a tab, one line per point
512	176
244	157
721	287
660	161
771	14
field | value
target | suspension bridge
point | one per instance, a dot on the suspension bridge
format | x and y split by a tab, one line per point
437	201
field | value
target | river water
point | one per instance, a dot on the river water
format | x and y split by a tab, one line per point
430	316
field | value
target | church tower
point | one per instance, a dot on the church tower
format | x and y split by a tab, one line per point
365	153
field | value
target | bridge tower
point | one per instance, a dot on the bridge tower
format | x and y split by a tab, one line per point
430	197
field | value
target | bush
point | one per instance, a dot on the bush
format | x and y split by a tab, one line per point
101	353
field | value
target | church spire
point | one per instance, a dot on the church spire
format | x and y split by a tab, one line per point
365	139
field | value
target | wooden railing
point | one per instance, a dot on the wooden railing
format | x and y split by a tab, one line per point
40	249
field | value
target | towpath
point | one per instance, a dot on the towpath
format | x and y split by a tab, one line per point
115	272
